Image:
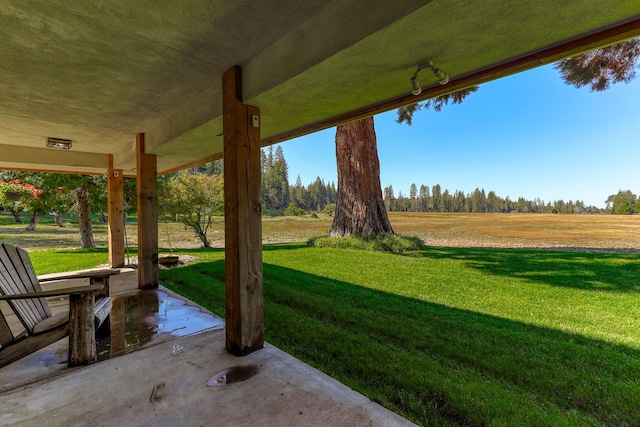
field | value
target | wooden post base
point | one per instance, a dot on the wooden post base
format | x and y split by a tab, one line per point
82	330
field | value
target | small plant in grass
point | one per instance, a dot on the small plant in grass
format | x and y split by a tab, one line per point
293	211
383	242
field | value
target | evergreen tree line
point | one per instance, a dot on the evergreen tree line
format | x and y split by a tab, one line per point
317	196
278	195
623	203
275	180
434	199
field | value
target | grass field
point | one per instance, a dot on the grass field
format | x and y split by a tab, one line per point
613	233
471	330
456	336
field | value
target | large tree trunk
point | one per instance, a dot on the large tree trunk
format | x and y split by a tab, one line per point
84	218
359	208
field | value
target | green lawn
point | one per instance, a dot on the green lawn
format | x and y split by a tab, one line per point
45	262
453	336
446	336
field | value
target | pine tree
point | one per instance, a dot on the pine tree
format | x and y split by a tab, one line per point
435	197
275	180
389	202
624	203
602	67
413	196
424	198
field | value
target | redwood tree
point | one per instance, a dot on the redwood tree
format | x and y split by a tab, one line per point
359	208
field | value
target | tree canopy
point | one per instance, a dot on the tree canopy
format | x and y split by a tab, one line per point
275	180
195	199
601	68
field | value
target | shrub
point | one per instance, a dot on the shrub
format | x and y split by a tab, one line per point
330	209
293	211
314	215
382	242
272	213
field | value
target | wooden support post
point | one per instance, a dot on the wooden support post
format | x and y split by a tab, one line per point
243	226
101	280
82	330
147	169
115	197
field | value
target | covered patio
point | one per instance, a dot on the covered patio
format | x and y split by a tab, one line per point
157	366
144	89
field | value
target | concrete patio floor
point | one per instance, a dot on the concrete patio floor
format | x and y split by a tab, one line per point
166	365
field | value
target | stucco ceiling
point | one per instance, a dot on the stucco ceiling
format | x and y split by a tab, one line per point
99	72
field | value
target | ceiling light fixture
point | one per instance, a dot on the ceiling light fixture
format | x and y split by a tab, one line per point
442	77
62	144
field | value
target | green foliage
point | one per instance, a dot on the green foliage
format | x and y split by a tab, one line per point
194	200
314	215
27	194
383	242
41	193
624	203
455	336
215	167
275	180
57	194
315	196
405	114
600	68
330	209
439	200
272	213
293	211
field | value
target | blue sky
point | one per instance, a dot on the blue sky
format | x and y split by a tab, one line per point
528	135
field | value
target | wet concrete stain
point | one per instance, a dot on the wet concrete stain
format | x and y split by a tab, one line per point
138	319
233	375
157	393
150	316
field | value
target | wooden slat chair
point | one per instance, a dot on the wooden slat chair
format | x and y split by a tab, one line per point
89	306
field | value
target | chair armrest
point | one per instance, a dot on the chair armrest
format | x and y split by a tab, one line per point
79	274
54	293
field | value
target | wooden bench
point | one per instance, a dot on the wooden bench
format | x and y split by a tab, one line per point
89	306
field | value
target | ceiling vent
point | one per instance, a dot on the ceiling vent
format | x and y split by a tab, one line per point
62	144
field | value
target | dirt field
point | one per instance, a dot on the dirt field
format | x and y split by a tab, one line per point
616	233
610	233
